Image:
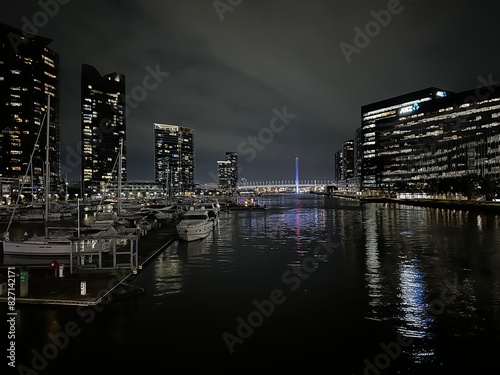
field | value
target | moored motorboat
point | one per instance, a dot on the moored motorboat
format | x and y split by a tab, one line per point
195	224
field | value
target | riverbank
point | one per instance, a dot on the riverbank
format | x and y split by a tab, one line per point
484	207
488	207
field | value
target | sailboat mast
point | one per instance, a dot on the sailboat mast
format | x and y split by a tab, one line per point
32	186
120	161
47	163
169	189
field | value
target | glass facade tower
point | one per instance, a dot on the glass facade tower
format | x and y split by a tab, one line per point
174	158
103	126
29	73
430	135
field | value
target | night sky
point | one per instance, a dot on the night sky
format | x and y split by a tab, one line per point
271	80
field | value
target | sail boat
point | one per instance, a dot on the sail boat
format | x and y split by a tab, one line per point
53	246
106	219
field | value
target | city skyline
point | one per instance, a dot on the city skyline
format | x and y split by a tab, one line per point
270	82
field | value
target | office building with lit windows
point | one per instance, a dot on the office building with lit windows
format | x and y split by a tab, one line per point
344	163
357	160
227	171
232	158
174	158
103	126
338	166
29	73
224	174
348	160
429	135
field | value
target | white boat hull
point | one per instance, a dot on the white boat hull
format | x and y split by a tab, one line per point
37	248
194	232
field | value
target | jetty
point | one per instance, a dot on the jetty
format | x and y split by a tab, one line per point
54	284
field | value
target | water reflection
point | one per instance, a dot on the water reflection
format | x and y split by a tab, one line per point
168	275
373	274
431	275
413	296
190	251
423	270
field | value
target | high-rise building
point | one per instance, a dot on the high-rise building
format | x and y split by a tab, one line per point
224	174
232	158
348	160
29	73
358	156
227	171
344	166
174	158
430	135
339	168
103	126
388	114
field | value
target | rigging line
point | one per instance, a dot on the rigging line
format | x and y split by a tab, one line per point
26	174
109	181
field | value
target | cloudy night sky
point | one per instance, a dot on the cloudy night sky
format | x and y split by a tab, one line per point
226	68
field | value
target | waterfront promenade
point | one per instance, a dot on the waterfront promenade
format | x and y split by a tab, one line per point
465	205
46	286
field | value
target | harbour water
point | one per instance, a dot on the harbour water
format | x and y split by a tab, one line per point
314	283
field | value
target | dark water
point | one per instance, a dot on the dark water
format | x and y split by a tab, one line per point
314	284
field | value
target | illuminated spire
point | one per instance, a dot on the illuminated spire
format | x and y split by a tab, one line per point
297	175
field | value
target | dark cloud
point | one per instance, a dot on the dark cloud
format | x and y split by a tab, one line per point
226	76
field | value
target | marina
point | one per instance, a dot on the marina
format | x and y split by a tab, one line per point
104	252
61	284
321	261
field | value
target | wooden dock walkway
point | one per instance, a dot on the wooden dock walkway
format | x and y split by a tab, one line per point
100	286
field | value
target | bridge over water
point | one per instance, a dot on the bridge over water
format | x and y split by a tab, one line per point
286	185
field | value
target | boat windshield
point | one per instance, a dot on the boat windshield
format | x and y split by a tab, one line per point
195	217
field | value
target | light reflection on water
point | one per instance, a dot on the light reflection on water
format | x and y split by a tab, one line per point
178	262
428	274
423	273
413	297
